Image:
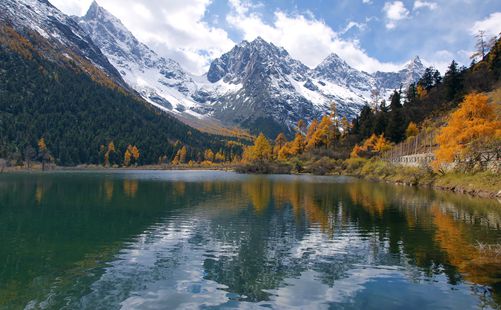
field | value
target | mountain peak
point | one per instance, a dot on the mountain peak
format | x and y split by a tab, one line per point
415	65
97	12
334	58
93	10
259	40
417	61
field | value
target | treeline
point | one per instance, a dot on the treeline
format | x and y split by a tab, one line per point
433	95
380	126
78	118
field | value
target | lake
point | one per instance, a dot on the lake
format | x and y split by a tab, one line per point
212	240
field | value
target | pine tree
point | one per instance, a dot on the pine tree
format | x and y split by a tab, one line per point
396	122
453	81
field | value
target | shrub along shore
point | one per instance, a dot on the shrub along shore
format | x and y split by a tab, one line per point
482	184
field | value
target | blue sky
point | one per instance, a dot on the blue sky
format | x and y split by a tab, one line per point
369	34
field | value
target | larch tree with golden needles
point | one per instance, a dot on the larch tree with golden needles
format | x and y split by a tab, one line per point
473	128
311	130
135	153
209	155
297	145
43	152
280	142
182	154
374	145
127	157
412	130
261	150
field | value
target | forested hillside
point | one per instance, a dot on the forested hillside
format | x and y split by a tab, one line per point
79	117
433	96
425	106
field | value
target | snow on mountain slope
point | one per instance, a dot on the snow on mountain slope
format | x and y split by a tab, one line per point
256	85
63	34
411	73
160	81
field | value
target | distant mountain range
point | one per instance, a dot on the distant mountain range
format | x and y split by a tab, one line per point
256	85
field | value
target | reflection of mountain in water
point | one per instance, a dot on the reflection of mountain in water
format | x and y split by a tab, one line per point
282	241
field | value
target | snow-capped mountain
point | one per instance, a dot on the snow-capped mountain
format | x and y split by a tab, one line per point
159	80
256	85
411	73
66	39
277	90
270	88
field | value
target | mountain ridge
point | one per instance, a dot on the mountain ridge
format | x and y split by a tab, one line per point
256	85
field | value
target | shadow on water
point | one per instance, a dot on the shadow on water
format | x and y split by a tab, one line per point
213	239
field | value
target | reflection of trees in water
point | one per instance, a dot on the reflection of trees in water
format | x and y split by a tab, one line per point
108	189
459	243
54	228
130	187
276	229
398	225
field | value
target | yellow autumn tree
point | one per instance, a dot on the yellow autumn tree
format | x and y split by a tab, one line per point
421	91
127	157
356	152
412	130
373	145
280	142
43	152
220	157
381	145
474	127
182	154
135	153
284	152
297	145
260	151
209	155
311	131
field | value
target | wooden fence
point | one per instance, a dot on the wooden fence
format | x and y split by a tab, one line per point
415	151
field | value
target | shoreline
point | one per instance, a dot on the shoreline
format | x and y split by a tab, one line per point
430	184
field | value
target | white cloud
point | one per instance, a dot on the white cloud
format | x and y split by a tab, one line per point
175	29
367	1
395	11
353	24
418	4
491	25
72	7
307	39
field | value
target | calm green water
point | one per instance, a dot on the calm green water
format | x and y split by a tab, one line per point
166	240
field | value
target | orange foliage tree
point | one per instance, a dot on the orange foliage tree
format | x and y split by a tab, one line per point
373	145
412	130
473	128
260	151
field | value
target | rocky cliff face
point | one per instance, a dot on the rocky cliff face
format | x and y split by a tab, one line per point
256	85
64	38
